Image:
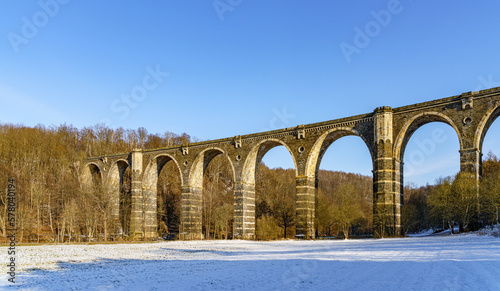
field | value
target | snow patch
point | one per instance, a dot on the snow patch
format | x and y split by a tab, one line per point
418	263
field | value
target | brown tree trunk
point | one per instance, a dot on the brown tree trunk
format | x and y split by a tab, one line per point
38	221
105	227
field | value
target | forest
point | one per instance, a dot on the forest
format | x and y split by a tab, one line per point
52	206
454	202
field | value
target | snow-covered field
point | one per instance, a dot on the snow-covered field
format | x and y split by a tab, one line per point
459	262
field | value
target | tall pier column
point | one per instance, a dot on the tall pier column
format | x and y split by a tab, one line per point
470	162
399	181
191	213
305	206
244	211
114	194
150	211
137	223
386	188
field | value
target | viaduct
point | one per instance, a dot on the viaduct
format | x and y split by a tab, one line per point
385	131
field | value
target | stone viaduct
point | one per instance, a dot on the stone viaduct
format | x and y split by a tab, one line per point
385	131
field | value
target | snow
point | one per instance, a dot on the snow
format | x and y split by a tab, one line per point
458	262
423	233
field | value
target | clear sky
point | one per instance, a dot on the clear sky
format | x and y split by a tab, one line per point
216	69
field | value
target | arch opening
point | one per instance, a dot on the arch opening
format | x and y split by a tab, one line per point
489	125
161	181
210	187
489	199
275	194
119	189
169	187
94	192
218	197
94	176
255	157
429	154
125	201
344	199
325	141
419	121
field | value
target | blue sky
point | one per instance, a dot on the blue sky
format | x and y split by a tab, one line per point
217	69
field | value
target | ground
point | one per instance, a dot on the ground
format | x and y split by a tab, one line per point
457	262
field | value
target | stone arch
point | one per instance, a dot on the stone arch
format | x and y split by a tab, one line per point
484	125
255	156
324	142
153	169
192	191
244	192
150	193
414	123
201	162
403	136
308	184
115	174
90	172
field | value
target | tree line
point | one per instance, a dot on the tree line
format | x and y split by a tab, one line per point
458	203
46	161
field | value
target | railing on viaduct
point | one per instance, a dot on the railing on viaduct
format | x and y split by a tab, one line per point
385	132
